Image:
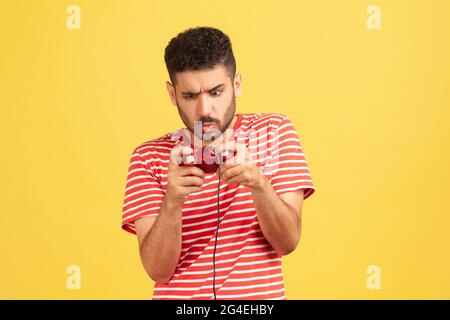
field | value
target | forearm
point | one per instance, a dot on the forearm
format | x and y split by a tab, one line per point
279	222
161	247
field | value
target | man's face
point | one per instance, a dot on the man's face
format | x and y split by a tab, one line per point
206	96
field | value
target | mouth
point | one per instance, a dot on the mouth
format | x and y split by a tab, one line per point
208	126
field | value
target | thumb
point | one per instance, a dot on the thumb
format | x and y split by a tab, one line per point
177	153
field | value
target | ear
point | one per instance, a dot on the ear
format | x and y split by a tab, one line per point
172	93
238	85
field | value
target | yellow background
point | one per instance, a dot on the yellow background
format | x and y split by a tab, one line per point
371	108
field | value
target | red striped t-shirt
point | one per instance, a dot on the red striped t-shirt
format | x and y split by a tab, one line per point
247	266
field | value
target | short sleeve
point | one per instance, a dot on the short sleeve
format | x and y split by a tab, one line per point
289	169
143	193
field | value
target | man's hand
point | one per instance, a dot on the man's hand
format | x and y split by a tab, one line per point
182	181
279	216
240	168
160	237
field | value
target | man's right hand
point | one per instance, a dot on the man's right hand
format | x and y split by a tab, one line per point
182	180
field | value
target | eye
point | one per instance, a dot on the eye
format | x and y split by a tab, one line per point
216	93
189	96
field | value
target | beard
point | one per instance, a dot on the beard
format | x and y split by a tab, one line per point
222	125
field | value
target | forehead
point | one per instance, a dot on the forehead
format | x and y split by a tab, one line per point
197	80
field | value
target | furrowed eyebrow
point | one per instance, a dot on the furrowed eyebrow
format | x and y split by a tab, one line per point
195	93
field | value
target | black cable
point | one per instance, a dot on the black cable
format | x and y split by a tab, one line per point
215	242
220	161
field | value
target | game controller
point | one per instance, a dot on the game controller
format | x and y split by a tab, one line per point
206	159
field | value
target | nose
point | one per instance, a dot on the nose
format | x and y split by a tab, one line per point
203	107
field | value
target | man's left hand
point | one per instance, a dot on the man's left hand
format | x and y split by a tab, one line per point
241	167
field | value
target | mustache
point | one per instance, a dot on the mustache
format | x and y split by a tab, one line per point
208	120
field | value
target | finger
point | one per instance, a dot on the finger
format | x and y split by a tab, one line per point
231	172
177	153
240	156
235	179
192	171
191	181
227	165
225	151
191	189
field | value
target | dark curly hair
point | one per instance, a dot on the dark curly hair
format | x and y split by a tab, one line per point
198	49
